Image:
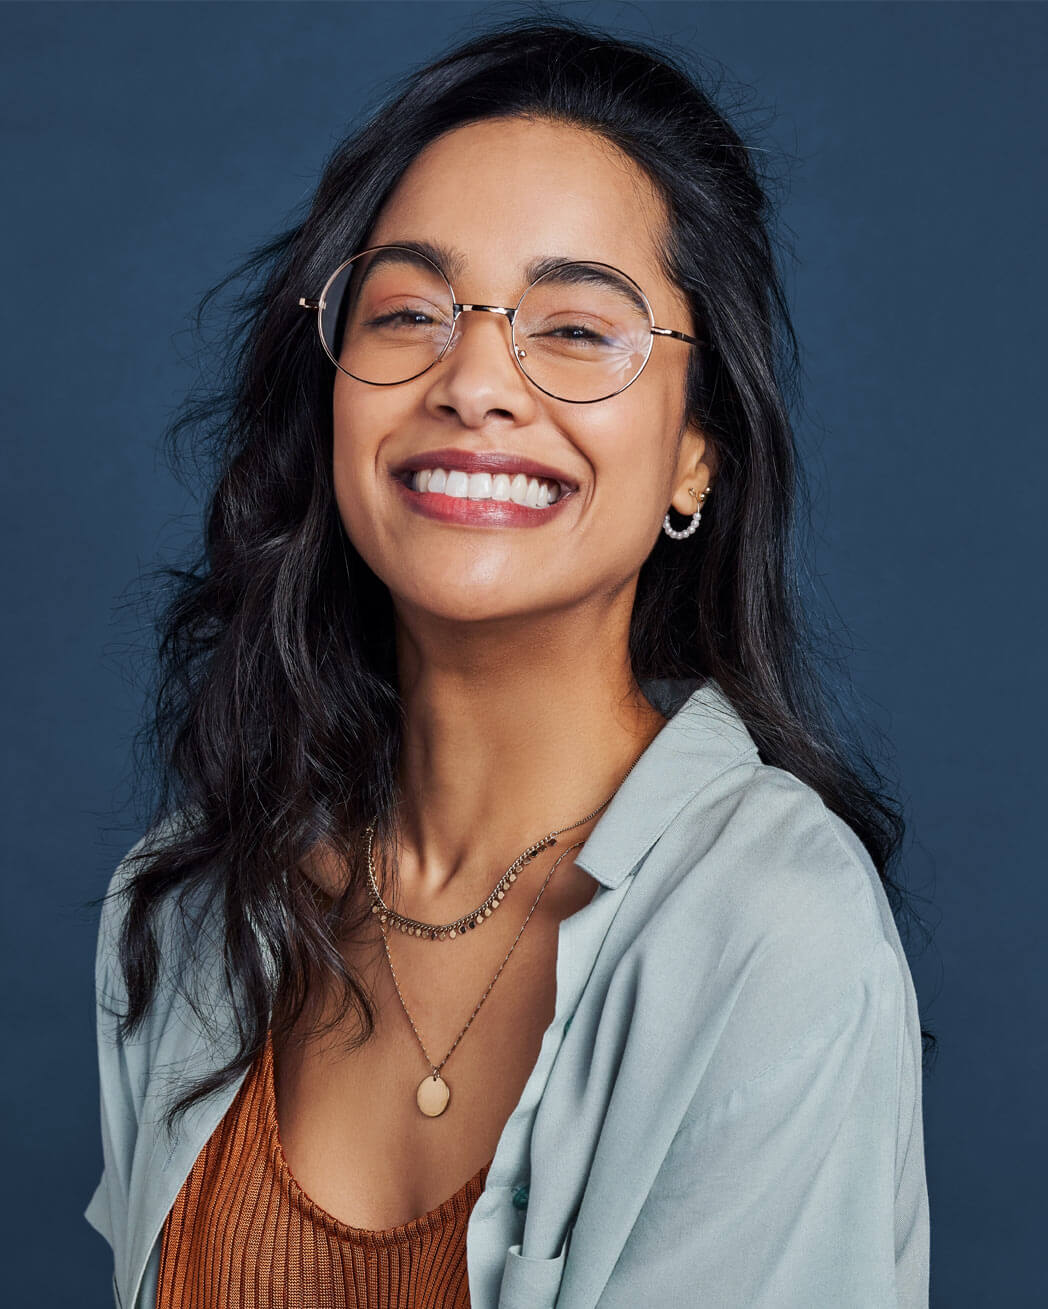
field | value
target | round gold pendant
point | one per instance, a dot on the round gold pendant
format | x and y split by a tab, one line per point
433	1095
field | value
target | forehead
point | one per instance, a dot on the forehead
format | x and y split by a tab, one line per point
502	196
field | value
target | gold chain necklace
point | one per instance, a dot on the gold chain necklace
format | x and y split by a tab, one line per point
475	918
433	1092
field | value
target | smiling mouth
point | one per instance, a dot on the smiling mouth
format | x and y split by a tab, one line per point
519	489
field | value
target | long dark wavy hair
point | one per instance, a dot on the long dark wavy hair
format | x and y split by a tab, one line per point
276	717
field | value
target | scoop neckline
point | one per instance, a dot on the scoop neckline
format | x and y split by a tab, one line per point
433	1220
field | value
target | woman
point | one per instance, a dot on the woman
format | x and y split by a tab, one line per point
513	927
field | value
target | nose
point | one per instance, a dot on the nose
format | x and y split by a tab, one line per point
500	337
478	372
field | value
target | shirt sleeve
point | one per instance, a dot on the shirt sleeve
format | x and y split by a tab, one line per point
804	1187
117	1111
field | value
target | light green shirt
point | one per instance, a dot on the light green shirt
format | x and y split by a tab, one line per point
725	1111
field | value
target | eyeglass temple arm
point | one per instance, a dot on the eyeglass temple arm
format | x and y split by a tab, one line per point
307	303
680	336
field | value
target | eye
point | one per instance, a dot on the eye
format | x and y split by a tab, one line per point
414	317
581	333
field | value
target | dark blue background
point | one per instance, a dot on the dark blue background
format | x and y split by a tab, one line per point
146	146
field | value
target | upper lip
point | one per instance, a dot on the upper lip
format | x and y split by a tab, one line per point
484	461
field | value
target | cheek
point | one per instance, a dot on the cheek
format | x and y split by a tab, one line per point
351	460
355	504
633	456
345	472
346	420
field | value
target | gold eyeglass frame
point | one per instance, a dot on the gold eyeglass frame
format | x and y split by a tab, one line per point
517	353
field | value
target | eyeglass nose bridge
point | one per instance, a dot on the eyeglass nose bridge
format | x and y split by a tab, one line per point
489	309
505	311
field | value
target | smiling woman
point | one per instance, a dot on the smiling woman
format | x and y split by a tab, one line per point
367	1034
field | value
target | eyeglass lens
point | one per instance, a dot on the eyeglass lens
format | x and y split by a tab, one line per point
584	330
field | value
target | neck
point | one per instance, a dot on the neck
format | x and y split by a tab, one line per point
508	738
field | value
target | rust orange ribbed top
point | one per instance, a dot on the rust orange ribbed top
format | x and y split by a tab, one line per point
243	1232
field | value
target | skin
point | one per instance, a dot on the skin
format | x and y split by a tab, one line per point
521	712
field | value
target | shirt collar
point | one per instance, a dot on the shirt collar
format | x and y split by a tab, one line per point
703	736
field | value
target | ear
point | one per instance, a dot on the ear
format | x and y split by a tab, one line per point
696	468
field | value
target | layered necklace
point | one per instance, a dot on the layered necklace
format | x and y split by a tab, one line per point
433	1092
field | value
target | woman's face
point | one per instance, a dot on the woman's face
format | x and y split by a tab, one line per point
504	193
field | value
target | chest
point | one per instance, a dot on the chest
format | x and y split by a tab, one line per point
350	1126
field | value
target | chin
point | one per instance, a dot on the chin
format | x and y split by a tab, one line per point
466	604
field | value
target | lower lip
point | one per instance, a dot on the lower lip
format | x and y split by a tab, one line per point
476	513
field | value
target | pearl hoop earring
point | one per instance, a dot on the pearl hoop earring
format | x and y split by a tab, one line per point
695	518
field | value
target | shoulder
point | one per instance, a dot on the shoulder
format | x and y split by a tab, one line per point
138	1070
767	912
173	921
760	850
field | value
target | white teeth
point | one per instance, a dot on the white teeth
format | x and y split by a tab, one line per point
521	489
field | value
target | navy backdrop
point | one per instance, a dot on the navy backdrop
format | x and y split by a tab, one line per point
146	146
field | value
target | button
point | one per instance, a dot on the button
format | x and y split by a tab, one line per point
568	1023
520	1198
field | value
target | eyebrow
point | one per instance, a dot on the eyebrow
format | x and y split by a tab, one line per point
452	264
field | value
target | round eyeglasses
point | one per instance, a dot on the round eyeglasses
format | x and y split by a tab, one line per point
581	332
